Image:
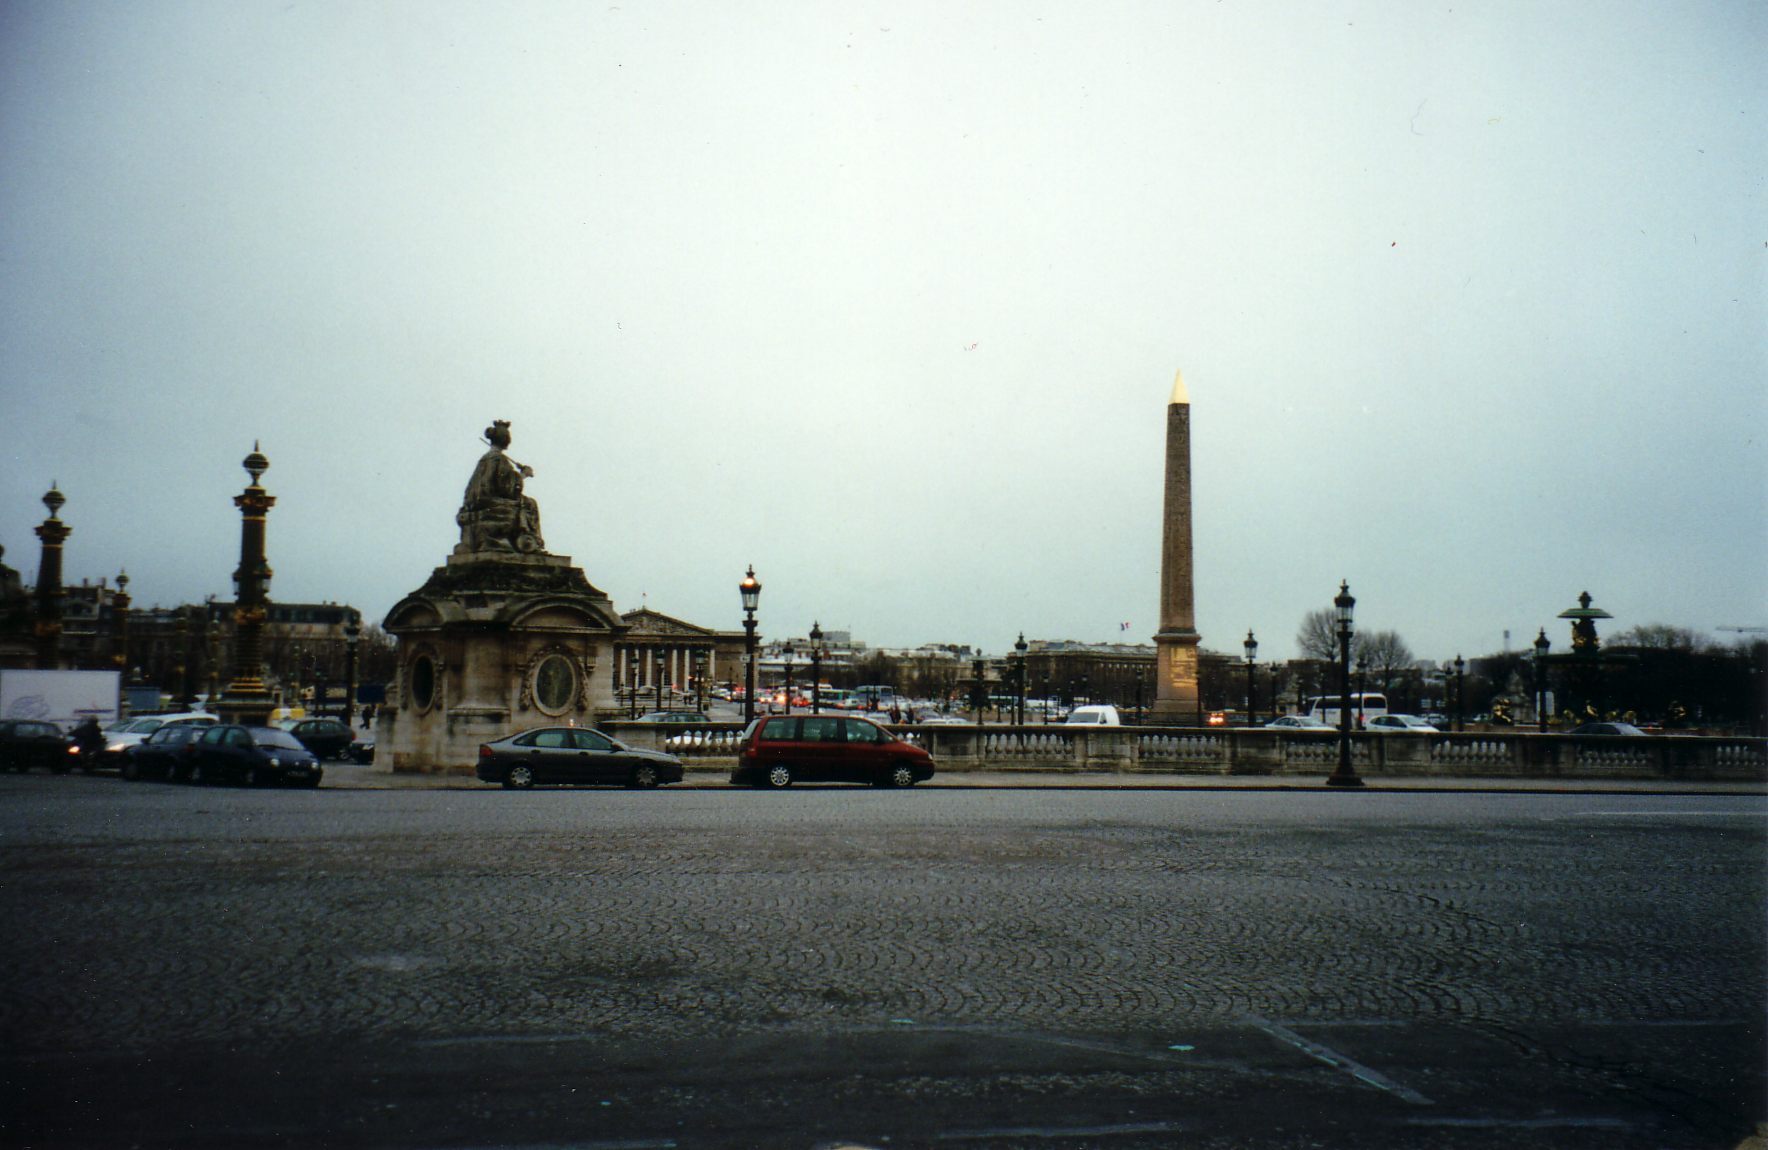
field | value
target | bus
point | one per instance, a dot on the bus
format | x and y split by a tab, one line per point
1365	705
874	697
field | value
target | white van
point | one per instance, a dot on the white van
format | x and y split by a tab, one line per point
1094	715
1365	706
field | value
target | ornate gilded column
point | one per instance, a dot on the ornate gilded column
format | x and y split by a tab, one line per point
53	532
247	699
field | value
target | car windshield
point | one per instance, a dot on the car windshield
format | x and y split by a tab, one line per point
269	737
145	726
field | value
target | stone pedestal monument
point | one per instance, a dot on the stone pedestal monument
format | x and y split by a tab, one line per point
502	637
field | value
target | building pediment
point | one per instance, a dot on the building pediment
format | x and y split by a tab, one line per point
649	624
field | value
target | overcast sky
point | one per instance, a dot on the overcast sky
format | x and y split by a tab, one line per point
886	299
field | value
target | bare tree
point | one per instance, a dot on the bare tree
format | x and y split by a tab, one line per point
1658	637
1389	657
1318	636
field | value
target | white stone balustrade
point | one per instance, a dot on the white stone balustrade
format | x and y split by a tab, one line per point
1263	751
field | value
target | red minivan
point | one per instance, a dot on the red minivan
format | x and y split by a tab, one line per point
779	750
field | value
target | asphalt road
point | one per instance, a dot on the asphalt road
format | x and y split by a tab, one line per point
614	970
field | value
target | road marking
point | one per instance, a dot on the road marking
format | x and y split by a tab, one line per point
1524	1123
1333	1058
1059	1131
614	1144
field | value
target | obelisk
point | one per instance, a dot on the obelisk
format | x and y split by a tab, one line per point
1175	700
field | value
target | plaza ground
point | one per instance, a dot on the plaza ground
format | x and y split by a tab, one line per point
381	965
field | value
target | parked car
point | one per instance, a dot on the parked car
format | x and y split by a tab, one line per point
1391	723
326	738
1298	723
673	717
572	755
119	737
253	756
27	743
1606	729
1094	714
782	749
165	754
362	750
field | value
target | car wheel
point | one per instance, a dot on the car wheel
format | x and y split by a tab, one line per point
644	775
250	778
195	774
901	776
130	770
520	777
779	776
344	754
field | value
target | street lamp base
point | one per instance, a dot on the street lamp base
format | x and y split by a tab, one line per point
1337	780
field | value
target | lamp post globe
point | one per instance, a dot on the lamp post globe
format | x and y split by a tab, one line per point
750	591
1344	604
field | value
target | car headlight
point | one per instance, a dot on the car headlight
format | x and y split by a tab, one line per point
115	748
275	762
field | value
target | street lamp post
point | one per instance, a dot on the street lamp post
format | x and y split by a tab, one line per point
1343	605
1542	646
1460	694
787	651
978	695
352	634
1251	648
1362	681
1138	696
750	590
1019	649
632	683
816	668
700	667
659	666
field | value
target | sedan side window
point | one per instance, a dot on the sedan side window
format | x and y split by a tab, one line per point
590	741
553	738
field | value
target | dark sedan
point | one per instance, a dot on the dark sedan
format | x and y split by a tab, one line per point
27	743
253	756
326	738
572	755
166	754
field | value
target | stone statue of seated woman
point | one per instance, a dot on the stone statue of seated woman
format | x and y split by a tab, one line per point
496	515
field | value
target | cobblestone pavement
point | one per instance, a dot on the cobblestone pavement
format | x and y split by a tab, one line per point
844	966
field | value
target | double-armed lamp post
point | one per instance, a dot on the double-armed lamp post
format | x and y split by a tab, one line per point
750	590
1343	605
